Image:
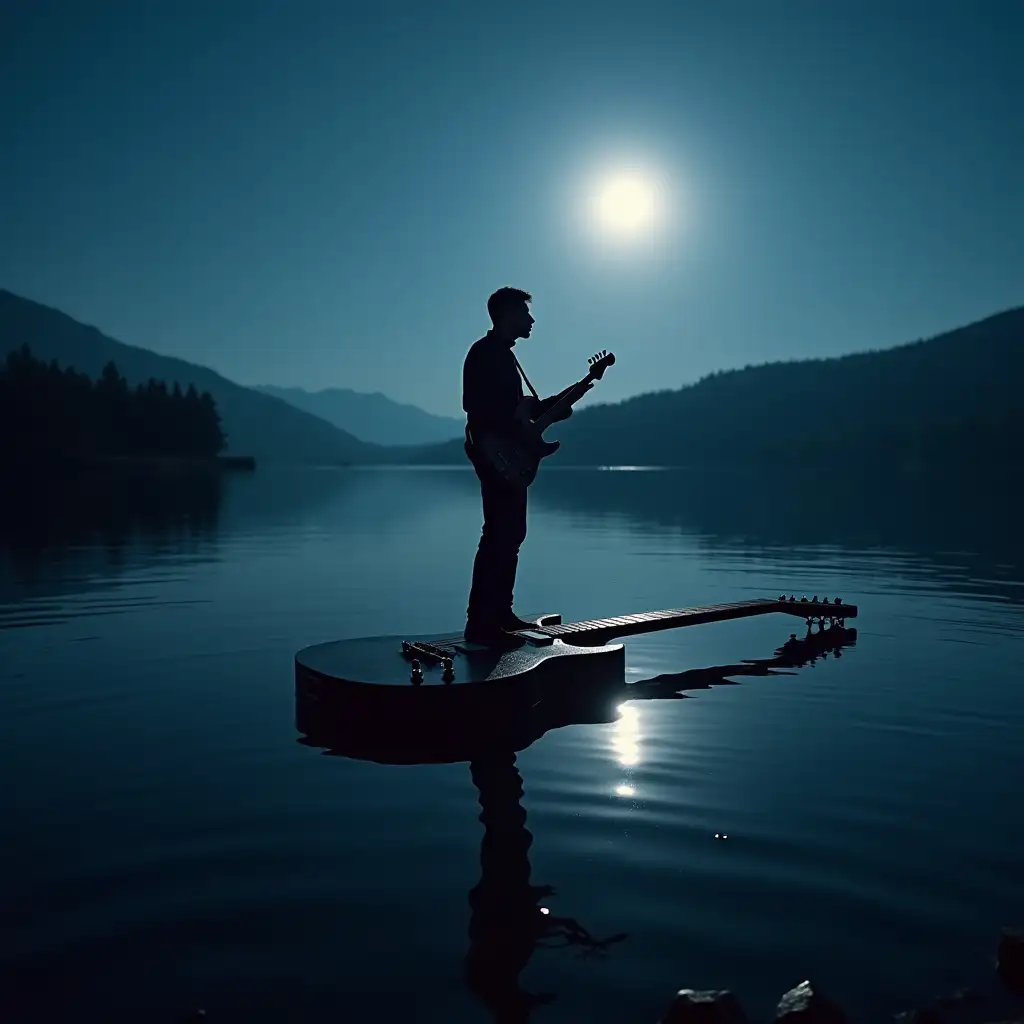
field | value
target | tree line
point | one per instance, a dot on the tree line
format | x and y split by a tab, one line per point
954	400
54	415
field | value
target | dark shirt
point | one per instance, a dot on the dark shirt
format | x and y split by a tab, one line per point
491	387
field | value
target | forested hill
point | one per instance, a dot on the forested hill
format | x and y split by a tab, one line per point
953	398
259	425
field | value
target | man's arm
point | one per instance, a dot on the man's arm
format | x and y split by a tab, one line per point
546	403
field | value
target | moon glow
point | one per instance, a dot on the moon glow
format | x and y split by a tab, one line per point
625	205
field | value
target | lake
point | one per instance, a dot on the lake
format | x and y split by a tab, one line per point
167	842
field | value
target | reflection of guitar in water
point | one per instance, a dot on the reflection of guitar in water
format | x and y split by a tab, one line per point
508	916
517	459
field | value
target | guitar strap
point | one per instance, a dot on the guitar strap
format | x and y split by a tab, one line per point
522	373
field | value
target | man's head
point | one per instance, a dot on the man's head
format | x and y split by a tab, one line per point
509	313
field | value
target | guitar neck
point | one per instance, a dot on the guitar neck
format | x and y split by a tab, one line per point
568	397
601	630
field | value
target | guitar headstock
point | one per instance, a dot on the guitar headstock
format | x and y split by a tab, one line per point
600	362
814	609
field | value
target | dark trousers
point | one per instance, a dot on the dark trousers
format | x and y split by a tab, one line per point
497	557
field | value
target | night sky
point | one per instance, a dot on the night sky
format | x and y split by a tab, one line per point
322	194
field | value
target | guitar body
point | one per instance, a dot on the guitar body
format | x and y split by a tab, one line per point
516	462
364	689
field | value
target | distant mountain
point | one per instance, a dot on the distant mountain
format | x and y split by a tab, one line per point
256	424
370	417
955	399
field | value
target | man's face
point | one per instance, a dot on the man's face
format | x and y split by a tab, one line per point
521	321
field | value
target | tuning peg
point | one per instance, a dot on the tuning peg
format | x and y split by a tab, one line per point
814	600
449	672
417	673
803	599
838	600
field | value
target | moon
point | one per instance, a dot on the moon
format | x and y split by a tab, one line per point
627	207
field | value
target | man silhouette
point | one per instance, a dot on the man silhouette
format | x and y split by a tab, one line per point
492	391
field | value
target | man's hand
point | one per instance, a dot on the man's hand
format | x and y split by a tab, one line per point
568	409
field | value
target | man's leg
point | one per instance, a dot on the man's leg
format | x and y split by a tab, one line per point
511	537
497	556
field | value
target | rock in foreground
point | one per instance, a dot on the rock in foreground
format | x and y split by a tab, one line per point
806	1005
710	1006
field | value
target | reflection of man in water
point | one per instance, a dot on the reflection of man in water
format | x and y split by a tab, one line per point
508	921
491	393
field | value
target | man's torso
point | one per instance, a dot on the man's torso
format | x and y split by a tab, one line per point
491	388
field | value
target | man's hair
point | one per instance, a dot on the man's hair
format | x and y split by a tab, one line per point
505	299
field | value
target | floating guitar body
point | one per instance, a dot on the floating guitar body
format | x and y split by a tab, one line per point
518	459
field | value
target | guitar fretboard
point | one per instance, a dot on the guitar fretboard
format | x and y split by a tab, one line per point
673	618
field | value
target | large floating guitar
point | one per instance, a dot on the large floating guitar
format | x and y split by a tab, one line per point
430	683
517	459
352	714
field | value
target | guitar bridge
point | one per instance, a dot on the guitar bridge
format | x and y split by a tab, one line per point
423	651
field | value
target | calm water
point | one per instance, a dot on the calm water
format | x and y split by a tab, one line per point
167	843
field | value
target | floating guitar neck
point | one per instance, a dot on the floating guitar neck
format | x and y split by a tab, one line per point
602	630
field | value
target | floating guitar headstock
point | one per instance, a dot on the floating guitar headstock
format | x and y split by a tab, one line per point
600	362
821	611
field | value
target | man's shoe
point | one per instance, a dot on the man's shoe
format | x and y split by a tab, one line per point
493	637
513	622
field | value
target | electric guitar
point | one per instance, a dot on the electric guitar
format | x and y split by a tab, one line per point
517	459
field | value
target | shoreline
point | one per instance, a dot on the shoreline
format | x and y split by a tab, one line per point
57	470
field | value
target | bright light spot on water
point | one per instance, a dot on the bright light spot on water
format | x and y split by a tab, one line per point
625	790
626	735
